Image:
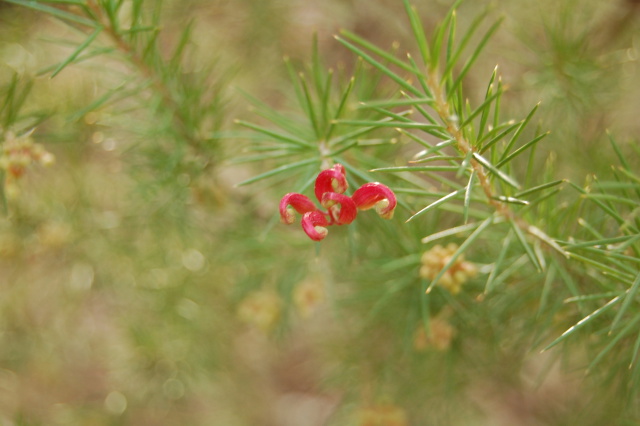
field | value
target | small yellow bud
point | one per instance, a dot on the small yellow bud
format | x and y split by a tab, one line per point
307	296
456	275
459	277
426	272
440	335
261	309
446	280
18	153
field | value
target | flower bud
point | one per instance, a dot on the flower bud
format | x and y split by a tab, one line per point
307	296
261	309
456	275
439	337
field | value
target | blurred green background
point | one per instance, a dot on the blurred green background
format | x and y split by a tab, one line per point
138	285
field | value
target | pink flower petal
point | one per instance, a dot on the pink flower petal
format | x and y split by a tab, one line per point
341	208
331	180
301	203
314	224
376	195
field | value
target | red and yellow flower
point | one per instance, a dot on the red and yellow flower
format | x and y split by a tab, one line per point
340	209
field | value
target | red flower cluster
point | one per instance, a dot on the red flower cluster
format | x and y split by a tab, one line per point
341	209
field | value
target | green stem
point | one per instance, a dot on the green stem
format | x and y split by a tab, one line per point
149	73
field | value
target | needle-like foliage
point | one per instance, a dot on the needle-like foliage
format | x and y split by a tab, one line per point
149	263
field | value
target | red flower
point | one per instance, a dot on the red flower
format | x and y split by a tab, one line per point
331	180
301	203
314	224
341	209
376	195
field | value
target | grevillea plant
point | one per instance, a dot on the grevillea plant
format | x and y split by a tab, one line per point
473	186
495	282
341	209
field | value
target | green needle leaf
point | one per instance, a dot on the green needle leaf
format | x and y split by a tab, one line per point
539	234
392	103
278	170
474	56
418	32
399	169
449	158
342	149
463	247
276	135
449	232
522	149
630	297
623	333
518	132
485	112
525	245
546	289
437	203
338	112
451	62
619	153
467	197
294	77
58	13
497	266
309	106
354	134
636	351
399	125
483	108
375	49
498	173
504	130
583	322
76	52
624	277
383	68
439	36
538	188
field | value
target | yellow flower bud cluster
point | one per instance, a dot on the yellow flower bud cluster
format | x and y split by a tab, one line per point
440	335
460	272
261	309
17	154
54	234
382	415
307	296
